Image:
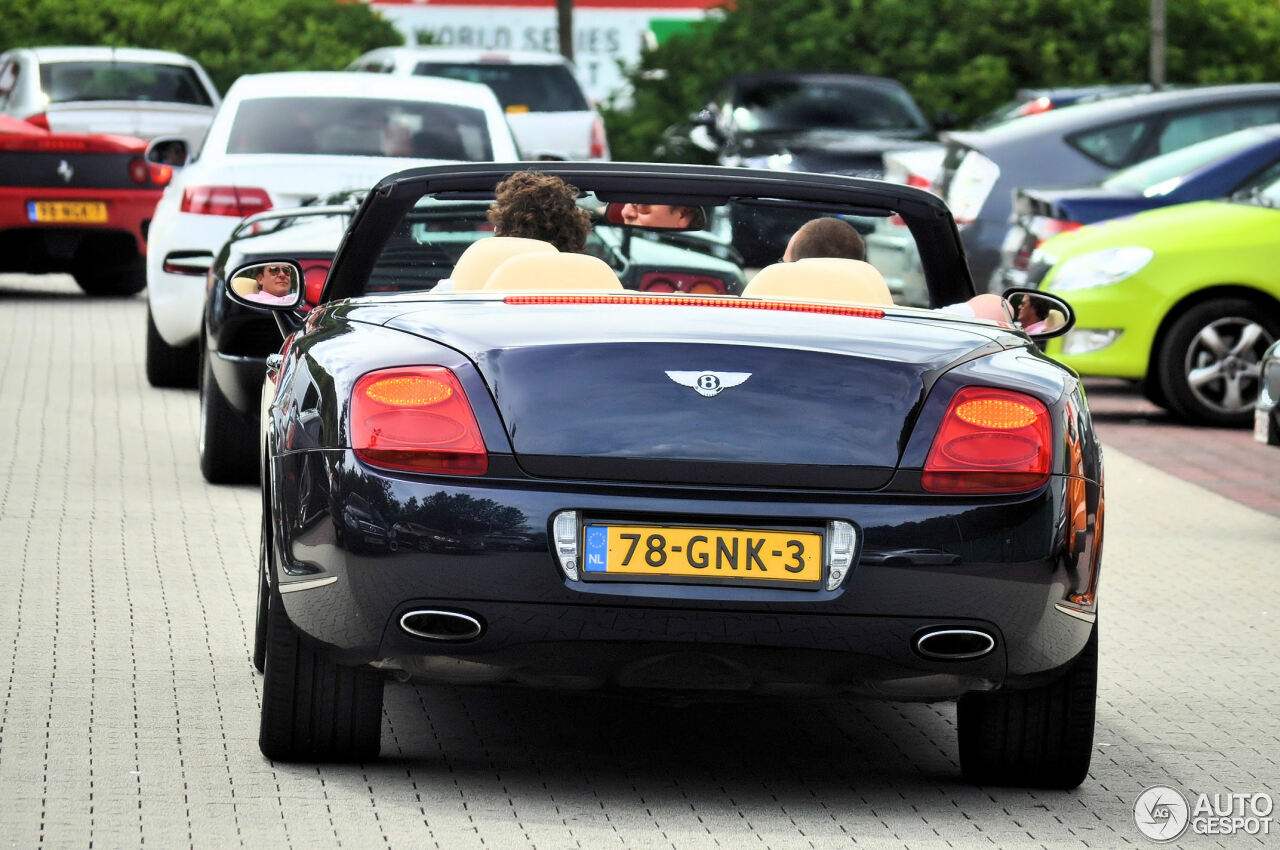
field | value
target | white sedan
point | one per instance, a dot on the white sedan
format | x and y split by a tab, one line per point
283	140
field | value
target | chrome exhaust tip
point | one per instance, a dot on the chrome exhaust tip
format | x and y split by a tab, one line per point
436	624
954	644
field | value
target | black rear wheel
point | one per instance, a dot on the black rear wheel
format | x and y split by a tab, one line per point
228	444
170	365
313	709
1040	737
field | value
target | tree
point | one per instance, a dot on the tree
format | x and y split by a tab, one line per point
963	56
227	37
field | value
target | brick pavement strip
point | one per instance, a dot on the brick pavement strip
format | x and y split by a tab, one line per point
128	706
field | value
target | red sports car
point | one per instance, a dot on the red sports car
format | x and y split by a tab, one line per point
77	203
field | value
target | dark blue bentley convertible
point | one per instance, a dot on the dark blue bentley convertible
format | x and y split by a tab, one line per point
536	476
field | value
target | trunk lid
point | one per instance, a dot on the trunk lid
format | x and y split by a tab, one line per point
611	393
130	118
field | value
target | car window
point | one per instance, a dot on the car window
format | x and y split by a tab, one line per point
344	126
1114	145
65	82
519	88
8	80
1178	163
1183	130
790	105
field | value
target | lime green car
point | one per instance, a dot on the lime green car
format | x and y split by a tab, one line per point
1184	299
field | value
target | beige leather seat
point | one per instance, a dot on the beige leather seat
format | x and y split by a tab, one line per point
244	285
554	272
822	279
484	255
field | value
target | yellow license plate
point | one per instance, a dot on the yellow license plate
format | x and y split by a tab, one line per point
735	555
82	212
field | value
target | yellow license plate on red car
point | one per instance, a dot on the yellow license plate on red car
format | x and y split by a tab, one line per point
78	212
709	554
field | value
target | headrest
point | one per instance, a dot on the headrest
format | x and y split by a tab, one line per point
244	285
821	278
484	255
554	271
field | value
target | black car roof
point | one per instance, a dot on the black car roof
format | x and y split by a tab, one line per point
927	216
816	76
1079	116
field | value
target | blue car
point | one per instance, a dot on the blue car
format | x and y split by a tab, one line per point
1214	168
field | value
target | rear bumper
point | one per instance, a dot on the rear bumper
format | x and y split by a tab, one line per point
1003	567
128	210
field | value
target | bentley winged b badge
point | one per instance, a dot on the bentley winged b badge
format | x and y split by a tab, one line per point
708	383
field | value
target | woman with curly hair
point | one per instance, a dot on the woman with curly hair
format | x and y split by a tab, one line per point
540	206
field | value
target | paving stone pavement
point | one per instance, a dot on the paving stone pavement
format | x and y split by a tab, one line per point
128	704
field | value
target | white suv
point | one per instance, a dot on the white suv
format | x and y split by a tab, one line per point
541	93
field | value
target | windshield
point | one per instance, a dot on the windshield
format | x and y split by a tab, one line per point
520	88
1162	174
67	82
741	237
349	126
814	104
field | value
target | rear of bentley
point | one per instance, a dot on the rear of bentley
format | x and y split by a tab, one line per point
721	497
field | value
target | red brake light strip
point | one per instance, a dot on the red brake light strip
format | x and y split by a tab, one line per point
677	301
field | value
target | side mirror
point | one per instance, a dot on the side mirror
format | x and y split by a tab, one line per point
1039	314
167	150
276	285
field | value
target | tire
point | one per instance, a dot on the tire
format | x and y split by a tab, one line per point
1208	362
264	600
168	365
313	709
1040	737
228	445
123	280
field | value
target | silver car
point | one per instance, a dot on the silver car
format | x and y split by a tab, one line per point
120	90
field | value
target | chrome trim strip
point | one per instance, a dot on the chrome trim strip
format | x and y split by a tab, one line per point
1087	616
309	584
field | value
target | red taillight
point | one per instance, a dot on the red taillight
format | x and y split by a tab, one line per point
599	144
990	441
1041	228
919	181
40	120
238	201
694	284
138	171
416	419
1035	107
315	272
160	174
